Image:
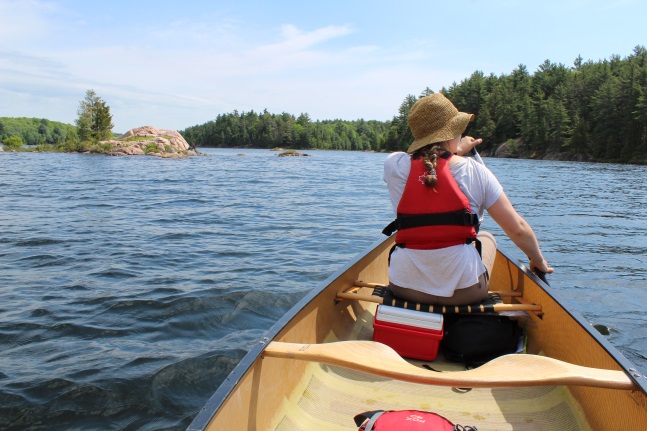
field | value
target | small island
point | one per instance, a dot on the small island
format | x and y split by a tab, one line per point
92	135
293	153
148	140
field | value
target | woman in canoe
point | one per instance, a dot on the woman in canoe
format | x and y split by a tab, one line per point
439	198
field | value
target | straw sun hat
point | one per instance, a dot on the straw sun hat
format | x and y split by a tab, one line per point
435	119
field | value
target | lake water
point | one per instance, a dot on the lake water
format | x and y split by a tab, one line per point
131	286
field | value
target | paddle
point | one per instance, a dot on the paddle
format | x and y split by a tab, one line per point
506	371
541	275
477	156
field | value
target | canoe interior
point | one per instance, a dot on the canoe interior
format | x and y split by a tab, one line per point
284	394
329	397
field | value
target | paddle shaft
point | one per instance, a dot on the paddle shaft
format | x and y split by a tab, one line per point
477	156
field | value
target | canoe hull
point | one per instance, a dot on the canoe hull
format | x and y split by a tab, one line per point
256	393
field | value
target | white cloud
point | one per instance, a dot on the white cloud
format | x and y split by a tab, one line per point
148	84
23	20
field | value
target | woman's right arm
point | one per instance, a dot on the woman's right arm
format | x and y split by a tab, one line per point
519	231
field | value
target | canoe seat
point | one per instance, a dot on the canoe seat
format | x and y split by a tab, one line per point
383	295
485	306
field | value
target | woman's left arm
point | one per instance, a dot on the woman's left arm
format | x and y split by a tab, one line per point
519	231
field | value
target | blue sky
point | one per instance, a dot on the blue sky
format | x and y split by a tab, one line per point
174	64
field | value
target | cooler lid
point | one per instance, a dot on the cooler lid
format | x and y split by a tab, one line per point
402	316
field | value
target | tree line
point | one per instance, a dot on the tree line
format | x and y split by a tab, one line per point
266	130
36	131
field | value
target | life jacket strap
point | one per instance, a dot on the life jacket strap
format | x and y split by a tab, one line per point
477	244
454	218
476	241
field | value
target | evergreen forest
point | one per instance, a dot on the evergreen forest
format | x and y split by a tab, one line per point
593	110
265	130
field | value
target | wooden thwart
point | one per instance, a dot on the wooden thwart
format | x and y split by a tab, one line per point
506	371
496	307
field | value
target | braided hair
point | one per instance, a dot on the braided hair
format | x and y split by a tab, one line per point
429	155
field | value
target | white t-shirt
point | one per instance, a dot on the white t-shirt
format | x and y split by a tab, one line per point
439	272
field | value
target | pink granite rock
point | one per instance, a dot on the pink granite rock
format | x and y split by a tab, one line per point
153	141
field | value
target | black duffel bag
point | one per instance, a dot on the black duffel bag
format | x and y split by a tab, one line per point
474	339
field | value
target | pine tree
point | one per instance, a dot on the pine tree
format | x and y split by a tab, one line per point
399	136
95	121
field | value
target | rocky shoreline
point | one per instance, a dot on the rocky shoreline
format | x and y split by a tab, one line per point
148	140
516	149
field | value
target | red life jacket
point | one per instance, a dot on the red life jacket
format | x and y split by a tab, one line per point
433	217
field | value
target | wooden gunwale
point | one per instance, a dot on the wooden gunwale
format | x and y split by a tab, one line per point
311	327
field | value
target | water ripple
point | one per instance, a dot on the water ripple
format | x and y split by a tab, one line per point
130	287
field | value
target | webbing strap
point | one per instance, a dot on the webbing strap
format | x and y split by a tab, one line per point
454	218
372	415
477	244
485	306
371	423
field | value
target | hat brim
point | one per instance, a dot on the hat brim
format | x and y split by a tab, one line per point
452	129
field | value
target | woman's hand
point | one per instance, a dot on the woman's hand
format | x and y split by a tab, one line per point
541	266
466	144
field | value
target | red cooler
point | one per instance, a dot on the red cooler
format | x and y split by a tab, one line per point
413	334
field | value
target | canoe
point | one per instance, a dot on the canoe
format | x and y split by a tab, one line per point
318	367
